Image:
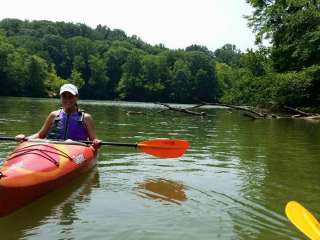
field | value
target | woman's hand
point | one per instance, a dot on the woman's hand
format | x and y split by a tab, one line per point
96	143
21	138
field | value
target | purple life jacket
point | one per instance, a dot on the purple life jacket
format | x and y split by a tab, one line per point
69	126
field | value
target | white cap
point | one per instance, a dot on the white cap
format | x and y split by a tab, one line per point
69	88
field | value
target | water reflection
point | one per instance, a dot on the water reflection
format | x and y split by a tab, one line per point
60	205
166	191
239	175
274	159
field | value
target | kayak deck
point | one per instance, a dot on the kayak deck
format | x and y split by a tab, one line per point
35	168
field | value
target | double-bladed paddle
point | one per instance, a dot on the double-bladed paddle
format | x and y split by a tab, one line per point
303	220
161	147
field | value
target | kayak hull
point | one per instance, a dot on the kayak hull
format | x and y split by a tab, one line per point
35	169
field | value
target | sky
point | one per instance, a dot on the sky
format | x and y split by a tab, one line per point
174	23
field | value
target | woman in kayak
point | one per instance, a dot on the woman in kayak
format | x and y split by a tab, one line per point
68	122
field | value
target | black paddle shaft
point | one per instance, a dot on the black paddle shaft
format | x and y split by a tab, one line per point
86	142
7	138
114	144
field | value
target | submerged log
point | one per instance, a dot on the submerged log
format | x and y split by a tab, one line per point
252	113
135	113
299	112
182	110
247	112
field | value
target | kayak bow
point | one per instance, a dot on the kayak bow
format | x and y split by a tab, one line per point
34	169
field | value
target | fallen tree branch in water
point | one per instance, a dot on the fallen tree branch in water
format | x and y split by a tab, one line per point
247	111
299	112
182	110
135	113
303	115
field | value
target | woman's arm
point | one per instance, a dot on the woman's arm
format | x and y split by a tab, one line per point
91	130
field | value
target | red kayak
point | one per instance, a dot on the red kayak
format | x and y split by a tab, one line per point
37	167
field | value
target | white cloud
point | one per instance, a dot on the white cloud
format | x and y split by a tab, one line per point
175	23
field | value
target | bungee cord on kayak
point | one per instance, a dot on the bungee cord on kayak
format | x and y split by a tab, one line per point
36	169
38	151
26	175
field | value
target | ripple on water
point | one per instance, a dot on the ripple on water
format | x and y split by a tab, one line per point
246	217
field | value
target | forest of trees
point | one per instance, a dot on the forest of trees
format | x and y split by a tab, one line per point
36	57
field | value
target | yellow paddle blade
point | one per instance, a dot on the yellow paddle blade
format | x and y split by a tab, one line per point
303	220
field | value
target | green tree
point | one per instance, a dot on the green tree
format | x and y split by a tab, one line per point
225	78
117	34
52	83
58	54
199	48
5	49
131	84
155	74
180	85
76	78
30	43
115	57
80	49
203	84
293	29
11	26
131	88
17	72
37	74
98	81
258	62
37	56
102	32
228	54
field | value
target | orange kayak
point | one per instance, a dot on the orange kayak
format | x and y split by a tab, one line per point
37	167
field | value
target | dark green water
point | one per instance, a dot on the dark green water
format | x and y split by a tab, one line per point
233	183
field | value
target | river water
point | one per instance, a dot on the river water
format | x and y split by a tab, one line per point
232	183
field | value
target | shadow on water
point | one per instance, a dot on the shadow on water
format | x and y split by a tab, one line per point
59	205
162	190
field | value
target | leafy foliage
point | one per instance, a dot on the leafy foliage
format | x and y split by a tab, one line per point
287	72
228	54
293	28
103	63
37	57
